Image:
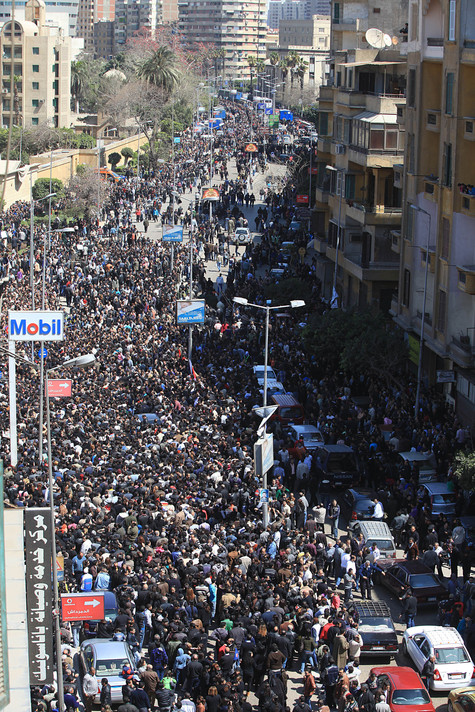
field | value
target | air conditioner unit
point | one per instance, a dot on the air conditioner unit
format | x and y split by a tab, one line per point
339	149
4	91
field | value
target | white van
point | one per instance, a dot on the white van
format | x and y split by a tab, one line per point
378	533
453	665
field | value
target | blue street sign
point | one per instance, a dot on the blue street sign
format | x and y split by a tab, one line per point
42	352
269	110
261	105
176	139
172	233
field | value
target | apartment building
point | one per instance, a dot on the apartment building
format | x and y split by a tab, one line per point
436	245
238	29
91	12
279	10
41	57
59	13
357	204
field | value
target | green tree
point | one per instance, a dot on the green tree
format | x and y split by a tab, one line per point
284	69
41	188
251	60
300	70
464	470
127	153
160	69
114	159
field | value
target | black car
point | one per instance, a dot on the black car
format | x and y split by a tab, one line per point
335	466
376	628
357	505
400	574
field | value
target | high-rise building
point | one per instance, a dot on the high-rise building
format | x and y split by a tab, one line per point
41	57
360	143
238	29
436	243
295	10
89	13
134	15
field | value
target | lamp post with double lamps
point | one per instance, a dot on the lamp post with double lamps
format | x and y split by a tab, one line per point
294	304
78	362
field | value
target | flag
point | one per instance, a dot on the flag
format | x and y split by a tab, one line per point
179	352
334	299
192	370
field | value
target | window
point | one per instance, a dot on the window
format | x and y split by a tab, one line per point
411	89
452	10
336	13
410	218
441	311
35	103
35	85
323	123
350	187
432	119
36	50
449	93
35	121
406	288
411	154
447	175
414	25
36	68
445	247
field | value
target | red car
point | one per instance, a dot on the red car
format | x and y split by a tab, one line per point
406	689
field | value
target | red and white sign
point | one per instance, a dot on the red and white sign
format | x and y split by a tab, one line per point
58	387
82	606
302	199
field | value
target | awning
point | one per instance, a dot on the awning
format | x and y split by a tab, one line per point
376	118
369	64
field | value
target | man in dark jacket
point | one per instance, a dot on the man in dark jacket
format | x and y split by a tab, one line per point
409	602
164	697
428	670
139	698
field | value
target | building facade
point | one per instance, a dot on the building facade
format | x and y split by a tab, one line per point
59	13
436	243
134	15
237	28
356	202
41	57
279	10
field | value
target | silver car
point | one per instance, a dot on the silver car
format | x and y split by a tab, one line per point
108	657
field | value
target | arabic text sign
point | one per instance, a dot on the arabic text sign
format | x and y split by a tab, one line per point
82	606
190	311
38	594
173	233
58	387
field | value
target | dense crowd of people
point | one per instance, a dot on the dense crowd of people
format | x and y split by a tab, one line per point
165	511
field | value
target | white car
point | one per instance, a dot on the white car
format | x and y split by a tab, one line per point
311	436
453	665
241	236
273	385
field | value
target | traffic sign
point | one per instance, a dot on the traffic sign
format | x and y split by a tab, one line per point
60	567
302	199
42	352
82	606
251	148
58	387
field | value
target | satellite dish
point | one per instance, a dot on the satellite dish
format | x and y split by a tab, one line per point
387	40
395	40
375	38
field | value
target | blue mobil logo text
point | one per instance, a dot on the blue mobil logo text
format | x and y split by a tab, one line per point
35	326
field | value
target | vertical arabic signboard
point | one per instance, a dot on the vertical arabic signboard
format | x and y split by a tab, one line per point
38	594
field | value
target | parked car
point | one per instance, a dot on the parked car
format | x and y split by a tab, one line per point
337	466
108	657
357	504
289	410
406	689
378	533
111	610
453	664
376	628
398	575
462	700
241	236
308	434
273	385
442	499
421	464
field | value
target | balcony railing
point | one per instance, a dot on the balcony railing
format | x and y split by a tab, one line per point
372	208
435	41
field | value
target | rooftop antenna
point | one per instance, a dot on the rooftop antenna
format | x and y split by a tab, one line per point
375	38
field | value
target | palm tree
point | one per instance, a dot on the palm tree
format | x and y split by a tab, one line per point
252	63
260	69
160	69
293	59
284	68
78	81
300	70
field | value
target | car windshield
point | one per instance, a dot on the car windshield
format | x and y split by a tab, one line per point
410	697
291	412
313	436
104	668
448	656
382	544
376	625
110	613
259	370
422	581
341	461
443	499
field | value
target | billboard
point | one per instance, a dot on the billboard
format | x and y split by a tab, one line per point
36	325
172	233
264	454
38	536
190	311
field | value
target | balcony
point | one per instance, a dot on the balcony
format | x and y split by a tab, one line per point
326	93
434	48
461	351
373	215
466	279
324	144
467	204
321	195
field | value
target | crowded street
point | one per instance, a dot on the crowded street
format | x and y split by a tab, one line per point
157	500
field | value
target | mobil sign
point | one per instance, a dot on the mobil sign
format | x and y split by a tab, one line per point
35	325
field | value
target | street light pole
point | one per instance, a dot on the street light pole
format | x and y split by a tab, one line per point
423	317
294	304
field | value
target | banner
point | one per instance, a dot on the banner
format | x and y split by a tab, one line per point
172	233
190	311
38	542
